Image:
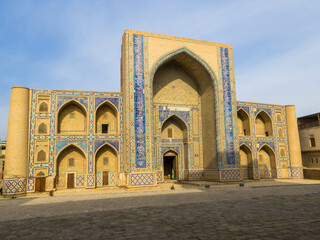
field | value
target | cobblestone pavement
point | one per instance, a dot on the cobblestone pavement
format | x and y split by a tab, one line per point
221	212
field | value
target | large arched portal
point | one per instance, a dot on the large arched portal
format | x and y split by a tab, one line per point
263	124
70	163
267	163
183	86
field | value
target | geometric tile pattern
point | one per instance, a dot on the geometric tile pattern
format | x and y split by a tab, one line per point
297	172
90	181
14	185
159	175
31	182
137	179
196	174
80	180
230	174
98	179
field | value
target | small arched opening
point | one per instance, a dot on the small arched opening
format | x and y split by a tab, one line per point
170	165
43	108
41	156
43	129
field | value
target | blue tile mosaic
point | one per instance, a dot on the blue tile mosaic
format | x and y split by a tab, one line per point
114	101
99	143
139	102
62	99
62	144
246	109
230	151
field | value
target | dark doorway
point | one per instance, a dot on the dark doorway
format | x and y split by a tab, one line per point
169	167
40	184
105	128
105	178
70	183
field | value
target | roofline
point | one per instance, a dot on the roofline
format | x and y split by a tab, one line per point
157	35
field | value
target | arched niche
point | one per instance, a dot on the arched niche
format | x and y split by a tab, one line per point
243	123
267	163
174	128
280	132
246	162
43	108
43	129
182	79
106	119
263	125
106	163
70	161
41	156
72	119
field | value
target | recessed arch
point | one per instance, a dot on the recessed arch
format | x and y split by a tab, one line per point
41	156
267	162
263	124
246	162
170	164
43	129
72	118
106	158
70	159
178	127
43	107
202	77
106	118
243	123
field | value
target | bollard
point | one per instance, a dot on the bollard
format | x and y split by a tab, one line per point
207	186
241	184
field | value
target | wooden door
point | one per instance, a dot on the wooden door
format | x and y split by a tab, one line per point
40	184
105	176
70	183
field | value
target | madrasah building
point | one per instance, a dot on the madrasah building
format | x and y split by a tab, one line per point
176	116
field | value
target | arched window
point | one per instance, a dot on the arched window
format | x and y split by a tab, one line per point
282	152
263	125
41	156
43	129
43	107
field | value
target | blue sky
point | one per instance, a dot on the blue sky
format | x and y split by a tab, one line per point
76	44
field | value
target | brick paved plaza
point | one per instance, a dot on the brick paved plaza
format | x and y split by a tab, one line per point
264	210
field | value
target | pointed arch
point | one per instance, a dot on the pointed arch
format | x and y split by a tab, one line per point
267	162
179	129
243	123
204	77
70	159
246	162
263	124
41	156
43	107
72	118
43	129
106	162
106	118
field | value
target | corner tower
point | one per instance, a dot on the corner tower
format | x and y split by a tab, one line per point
15	173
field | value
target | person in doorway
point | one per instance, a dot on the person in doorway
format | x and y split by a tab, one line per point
172	174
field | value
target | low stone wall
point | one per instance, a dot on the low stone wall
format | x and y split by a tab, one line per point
312	173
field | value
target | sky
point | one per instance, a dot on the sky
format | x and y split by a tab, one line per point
76	44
